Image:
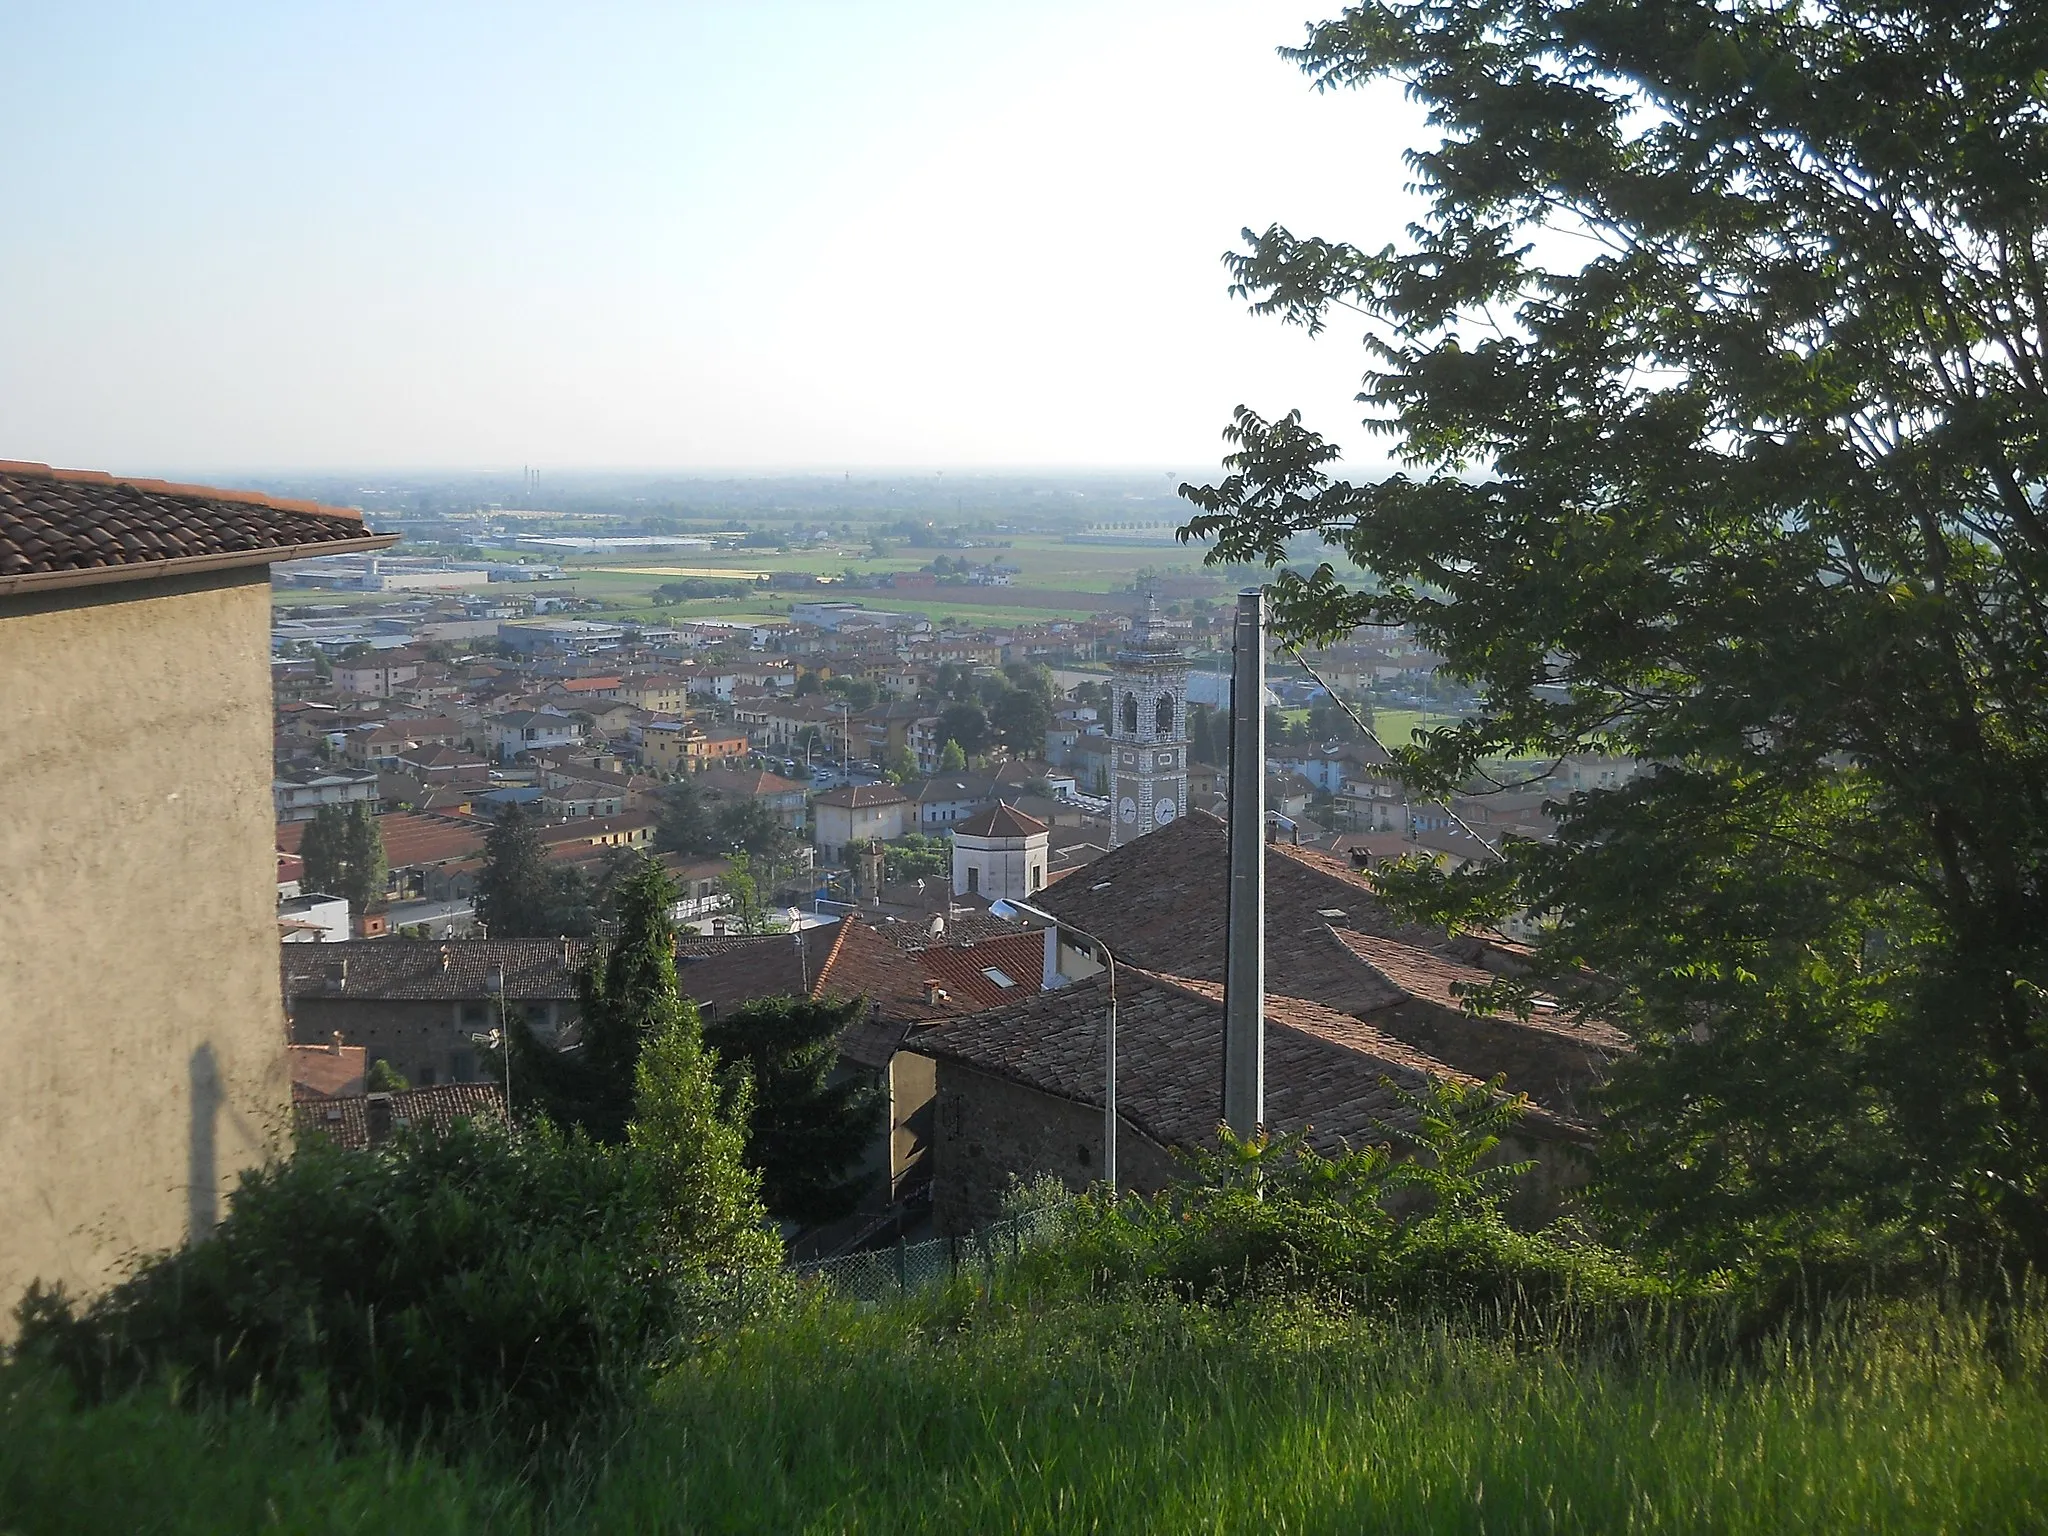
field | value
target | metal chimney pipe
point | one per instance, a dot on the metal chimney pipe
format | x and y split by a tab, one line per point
1244	977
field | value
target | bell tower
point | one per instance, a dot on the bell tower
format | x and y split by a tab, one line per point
1148	728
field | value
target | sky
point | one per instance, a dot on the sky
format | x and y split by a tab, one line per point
745	235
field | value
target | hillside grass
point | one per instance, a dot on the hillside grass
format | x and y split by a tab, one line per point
967	1412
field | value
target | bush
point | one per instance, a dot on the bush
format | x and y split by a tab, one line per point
1424	1231
463	1287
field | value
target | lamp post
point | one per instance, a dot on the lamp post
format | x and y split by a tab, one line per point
1040	915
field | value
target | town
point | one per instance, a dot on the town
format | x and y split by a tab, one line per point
1123	768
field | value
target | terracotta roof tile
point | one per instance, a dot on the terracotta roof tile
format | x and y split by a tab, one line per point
1000	821
536	970
78	527
1326	1073
362	1120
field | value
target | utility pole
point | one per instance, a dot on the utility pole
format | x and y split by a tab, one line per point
1244	976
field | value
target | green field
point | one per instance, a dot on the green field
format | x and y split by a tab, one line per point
968	1413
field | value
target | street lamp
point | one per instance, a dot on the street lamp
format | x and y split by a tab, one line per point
1040	915
496	1039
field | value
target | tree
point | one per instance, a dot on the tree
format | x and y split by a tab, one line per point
324	848
902	766
966	724
951	758
365	875
751	826
742	893
807	683
807	1134
683	823
1021	717
515	890
1716	363
918	857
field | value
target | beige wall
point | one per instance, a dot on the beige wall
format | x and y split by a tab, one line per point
140	1026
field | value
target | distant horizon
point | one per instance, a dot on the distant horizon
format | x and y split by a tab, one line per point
669	238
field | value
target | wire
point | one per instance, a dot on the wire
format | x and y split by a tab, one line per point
1373	736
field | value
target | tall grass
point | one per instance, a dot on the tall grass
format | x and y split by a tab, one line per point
963	1412
1142	1417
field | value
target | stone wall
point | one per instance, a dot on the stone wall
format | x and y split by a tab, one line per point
140	1019
426	1040
987	1131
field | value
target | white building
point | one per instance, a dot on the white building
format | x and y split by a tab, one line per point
1000	855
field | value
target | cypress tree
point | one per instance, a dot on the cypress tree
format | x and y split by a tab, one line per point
365	875
324	850
806	1133
515	890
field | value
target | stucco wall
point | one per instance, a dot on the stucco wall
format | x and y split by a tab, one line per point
140	1021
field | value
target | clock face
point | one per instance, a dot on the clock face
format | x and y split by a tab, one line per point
1128	809
1163	812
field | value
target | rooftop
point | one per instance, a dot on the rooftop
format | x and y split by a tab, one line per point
1000	821
70	527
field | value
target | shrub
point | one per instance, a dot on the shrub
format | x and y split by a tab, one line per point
461	1286
1421	1231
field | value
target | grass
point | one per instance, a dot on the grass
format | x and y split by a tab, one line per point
962	1413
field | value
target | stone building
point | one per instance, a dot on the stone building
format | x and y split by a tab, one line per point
1148	731
1355	998
139	1012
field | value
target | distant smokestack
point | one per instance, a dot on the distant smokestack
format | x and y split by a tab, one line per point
1244	977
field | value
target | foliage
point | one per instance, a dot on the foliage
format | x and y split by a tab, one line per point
752	827
965	725
807	1133
1716	364
344	854
515	889
683	821
745	911
902	766
1422	1231
917	857
462	1287
1020	719
858	692
953	757
385	1078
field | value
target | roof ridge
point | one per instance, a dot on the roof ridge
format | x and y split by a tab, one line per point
846	923
175	488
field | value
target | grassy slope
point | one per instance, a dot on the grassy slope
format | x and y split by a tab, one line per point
959	1416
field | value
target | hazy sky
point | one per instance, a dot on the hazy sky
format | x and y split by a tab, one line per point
743	234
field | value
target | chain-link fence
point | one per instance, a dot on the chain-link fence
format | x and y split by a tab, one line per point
880	1274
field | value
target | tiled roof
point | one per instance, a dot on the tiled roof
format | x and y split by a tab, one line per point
1162	900
325	1071
745	783
362	1120
962	969
1000	821
1436	978
861	797
1325	1072
64	527
536	970
846	959
410	838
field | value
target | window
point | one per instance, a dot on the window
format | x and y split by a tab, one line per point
1131	714
1037	877
1163	716
973	880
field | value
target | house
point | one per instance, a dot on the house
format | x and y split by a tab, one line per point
999	855
313	918
520	731
565	799
1354	994
675	746
415	1002
327	1071
784	798
300	794
951	798
429	855
860	813
660	694
139	1009
356	1121
377	676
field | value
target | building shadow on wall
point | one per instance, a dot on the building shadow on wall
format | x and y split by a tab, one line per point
202	1148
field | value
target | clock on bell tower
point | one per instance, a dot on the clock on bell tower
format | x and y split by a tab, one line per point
1148	731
